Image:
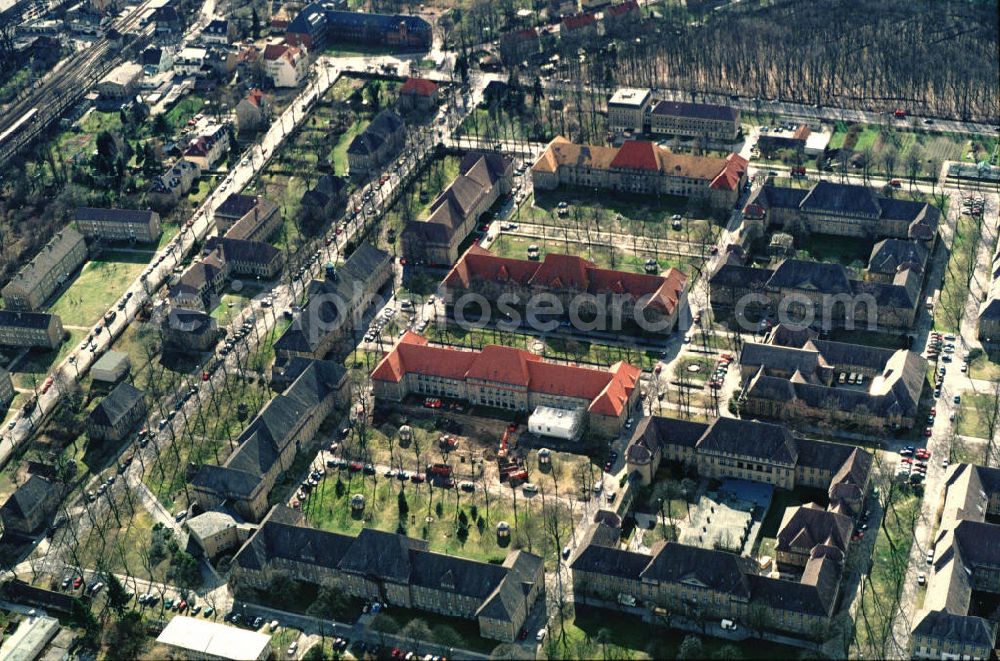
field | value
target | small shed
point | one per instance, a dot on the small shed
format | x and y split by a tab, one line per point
112	367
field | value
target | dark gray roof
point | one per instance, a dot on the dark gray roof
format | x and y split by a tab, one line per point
733	275
186	320
277	540
791	596
965	629
382	554
824	455
137	216
773	357
780	197
716	570
608	561
811	526
890	254
979	542
695	110
827	196
812	276
856	355
226	482
26	319
236	206
241	250
518	580
750	438
385	124
117	404
35	490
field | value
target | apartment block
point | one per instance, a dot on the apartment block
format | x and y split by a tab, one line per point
30	329
51	267
119	224
695	120
627	109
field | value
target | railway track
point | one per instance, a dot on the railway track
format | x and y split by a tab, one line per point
25	120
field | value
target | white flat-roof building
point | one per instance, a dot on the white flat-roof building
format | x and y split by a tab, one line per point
566	424
627	109
202	639
32	635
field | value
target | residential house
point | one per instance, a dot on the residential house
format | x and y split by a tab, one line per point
117	414
605	299
119	224
167	189
622	18
218	31
216	532
156	60
202	282
483	178
247	217
30	329
167	22
285	65
418	94
220	61
270	443
208	149
774	141
326	199
190	61
252	111
337	305
507	378
378	143
627	109
641	167
393	569
695	120
519	46
31	507
42	276
578	28
890	257
187	330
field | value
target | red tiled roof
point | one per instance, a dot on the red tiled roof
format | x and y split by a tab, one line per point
578	21
567	272
608	391
623	8
281	51
637	155
419	86
527	34
255	96
729	178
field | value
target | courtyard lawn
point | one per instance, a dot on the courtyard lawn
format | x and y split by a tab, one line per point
869	338
836	249
604	256
435	515
705	366
981	367
99	285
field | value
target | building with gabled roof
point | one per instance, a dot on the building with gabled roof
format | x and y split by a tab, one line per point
394	569
379	142
270	442
29	509
642	167
808	381
509	378
519	46
965	558
624	297
483	177
30	329
336	305
285	65
695	120
844	210
141	225
319	24
117	414
418	94
32	285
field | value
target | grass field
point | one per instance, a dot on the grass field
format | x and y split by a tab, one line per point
836	249
434	515
507	245
973	415
955	288
339	154
982	367
888	569
34	368
99	285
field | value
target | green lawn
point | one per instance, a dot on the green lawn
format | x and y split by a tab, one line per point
973	415
955	289
99	285
338	157
888	570
34	368
868	338
467	630
704	363
837	249
432	514
982	367
604	256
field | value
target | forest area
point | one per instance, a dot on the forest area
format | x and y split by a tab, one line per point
932	57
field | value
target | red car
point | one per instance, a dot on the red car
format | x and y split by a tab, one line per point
906	460
923	454
933	410
48	384
77	582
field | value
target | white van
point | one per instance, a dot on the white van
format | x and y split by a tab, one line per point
728	625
